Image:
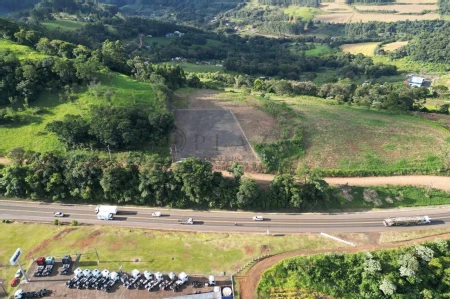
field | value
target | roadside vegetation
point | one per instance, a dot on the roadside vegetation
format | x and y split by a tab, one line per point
416	271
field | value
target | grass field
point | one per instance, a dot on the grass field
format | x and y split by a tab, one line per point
319	49
306	13
363	48
197	68
63	25
346	138
407	65
394	46
31	133
194	253
22	52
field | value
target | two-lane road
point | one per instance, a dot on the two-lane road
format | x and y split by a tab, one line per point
223	221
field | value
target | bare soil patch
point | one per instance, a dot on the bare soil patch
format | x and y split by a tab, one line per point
394	46
46	242
257	125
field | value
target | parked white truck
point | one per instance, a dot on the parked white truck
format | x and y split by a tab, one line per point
105	216
415	220
106	209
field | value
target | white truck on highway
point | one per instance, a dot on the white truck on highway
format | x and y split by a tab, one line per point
106	209
414	220
188	221
105	216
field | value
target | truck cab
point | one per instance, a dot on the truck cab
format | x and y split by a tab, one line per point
105	216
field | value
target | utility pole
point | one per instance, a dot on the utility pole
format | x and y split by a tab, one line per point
23	272
96	253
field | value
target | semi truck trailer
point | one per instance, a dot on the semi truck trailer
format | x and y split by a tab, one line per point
415	220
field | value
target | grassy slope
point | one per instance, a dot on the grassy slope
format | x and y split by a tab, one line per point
306	13
31	135
63	25
356	138
191	252
22	52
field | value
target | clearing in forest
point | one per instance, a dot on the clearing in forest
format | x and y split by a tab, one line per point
394	46
364	48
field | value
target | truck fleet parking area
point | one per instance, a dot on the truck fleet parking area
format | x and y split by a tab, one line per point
55	283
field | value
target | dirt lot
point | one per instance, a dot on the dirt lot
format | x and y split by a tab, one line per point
56	285
214	135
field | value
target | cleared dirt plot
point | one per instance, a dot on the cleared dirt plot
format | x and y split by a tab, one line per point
416	8
394	46
363	48
214	135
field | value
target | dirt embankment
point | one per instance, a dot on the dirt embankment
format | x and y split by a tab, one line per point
436	182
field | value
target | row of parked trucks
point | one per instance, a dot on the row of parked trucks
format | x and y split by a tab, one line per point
45	266
87	279
156	281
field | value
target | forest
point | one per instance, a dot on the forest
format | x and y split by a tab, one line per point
419	271
190	184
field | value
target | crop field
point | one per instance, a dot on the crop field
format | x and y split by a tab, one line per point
22	52
413	8
63	25
31	134
145	249
363	48
343	13
394	46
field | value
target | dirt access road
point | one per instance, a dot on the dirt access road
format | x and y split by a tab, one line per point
436	182
249	282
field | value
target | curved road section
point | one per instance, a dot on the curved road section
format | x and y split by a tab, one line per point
224	221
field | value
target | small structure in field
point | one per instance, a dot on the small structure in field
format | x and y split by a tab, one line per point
417	81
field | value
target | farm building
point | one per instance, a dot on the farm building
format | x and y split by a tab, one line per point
416	81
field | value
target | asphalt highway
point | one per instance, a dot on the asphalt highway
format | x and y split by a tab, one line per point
213	221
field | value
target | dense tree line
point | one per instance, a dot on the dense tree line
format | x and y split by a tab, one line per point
188	184
419	271
114	127
427	47
392	31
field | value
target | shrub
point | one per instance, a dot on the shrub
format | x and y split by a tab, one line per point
56	222
74	223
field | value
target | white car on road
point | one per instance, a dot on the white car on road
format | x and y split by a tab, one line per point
258	218
58	214
156	214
